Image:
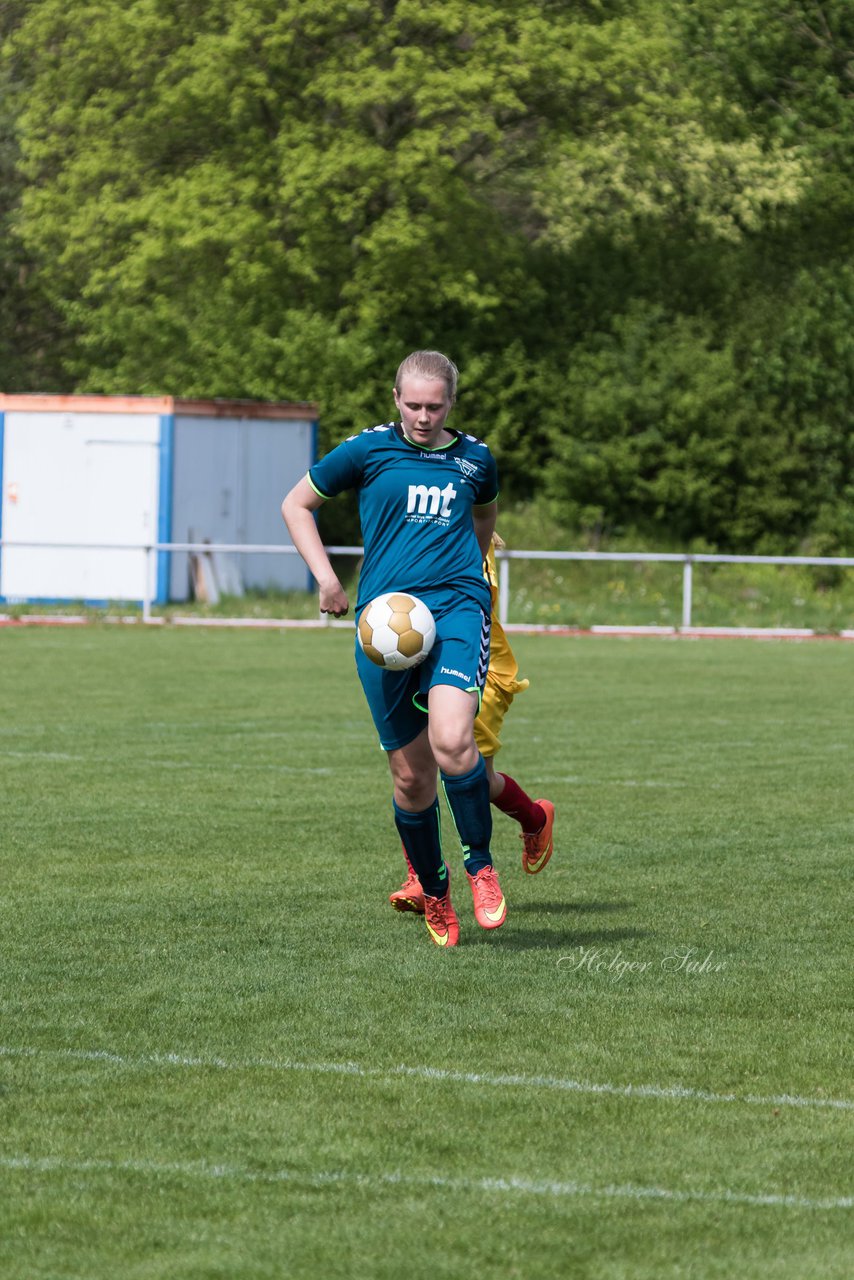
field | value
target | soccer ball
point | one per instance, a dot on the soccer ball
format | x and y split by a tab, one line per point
396	631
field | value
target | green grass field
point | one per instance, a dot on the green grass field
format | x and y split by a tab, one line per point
223	1055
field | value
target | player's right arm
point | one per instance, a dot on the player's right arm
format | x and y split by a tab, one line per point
298	510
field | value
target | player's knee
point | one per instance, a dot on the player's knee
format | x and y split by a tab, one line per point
416	796
455	752
414	788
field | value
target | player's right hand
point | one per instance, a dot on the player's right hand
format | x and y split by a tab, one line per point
333	599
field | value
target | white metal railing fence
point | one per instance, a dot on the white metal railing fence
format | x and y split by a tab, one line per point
686	559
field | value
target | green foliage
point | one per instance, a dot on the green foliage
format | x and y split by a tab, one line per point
630	224
29	333
268	187
746	441
674	148
654	413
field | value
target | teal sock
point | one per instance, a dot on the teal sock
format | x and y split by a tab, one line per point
467	795
420	834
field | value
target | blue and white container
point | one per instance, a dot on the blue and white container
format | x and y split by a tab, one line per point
88	482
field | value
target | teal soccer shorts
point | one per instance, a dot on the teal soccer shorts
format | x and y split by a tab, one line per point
459	657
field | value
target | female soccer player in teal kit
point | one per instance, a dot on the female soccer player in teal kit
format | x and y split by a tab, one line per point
427	505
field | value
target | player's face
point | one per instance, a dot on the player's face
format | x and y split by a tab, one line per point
424	404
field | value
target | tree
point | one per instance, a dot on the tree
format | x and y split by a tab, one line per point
608	213
272	198
30	332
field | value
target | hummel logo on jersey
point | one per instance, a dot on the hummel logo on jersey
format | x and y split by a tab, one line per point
452	671
430	501
468	469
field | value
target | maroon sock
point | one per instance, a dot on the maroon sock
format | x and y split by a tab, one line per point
516	804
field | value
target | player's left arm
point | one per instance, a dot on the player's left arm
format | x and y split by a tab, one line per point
484	519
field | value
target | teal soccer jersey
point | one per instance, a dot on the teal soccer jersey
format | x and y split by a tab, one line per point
415	510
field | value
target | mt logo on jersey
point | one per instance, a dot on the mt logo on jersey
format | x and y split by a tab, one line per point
429	502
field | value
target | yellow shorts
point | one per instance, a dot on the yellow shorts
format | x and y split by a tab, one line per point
496	699
501	686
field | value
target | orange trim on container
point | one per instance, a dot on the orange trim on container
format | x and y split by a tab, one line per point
40	403
246	409
87	404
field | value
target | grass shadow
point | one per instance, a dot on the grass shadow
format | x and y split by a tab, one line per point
567	908
548	939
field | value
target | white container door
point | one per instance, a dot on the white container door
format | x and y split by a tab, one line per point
78	478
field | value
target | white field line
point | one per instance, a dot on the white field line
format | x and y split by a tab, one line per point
55	757
669	784
665	1093
342	1177
154	763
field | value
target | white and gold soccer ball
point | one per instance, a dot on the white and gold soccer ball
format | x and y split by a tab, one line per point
396	631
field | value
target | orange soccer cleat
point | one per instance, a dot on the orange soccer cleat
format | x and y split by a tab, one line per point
539	845
490	908
410	895
441	920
